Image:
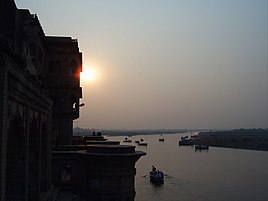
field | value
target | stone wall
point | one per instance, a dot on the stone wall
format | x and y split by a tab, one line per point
26	102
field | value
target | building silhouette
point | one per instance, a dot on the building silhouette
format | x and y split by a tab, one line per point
39	99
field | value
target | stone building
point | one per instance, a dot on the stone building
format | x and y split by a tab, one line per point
39	99
64	64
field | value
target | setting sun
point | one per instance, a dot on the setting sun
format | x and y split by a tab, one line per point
88	74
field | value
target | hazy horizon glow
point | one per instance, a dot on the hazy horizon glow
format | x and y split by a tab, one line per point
167	64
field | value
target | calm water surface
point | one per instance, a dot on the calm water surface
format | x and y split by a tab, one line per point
219	174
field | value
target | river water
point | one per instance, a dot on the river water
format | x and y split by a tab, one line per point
219	174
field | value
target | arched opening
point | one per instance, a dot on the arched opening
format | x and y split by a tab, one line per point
16	161
34	162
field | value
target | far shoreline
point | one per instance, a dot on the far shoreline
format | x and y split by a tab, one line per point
248	139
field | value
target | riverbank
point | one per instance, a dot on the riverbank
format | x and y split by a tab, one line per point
127	132
253	139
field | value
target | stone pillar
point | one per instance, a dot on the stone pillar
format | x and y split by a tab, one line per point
3	127
44	158
46	145
16	161
34	161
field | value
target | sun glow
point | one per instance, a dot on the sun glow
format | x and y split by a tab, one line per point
88	74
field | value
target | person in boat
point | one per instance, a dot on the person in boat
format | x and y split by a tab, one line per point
153	168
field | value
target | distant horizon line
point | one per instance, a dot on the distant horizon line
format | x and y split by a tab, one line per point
163	129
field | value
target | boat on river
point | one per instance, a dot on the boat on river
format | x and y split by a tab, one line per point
127	140
161	139
156	176
200	147
185	142
142	143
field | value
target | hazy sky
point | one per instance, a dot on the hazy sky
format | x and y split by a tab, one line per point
167	63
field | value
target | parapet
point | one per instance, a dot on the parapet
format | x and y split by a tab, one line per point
110	149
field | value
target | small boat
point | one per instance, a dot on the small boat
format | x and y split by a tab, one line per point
142	144
137	141
156	176
200	147
184	137
185	142
127	140
161	140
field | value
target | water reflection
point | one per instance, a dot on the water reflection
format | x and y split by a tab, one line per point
217	174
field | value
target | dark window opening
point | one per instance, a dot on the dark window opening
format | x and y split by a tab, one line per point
74	67
51	67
